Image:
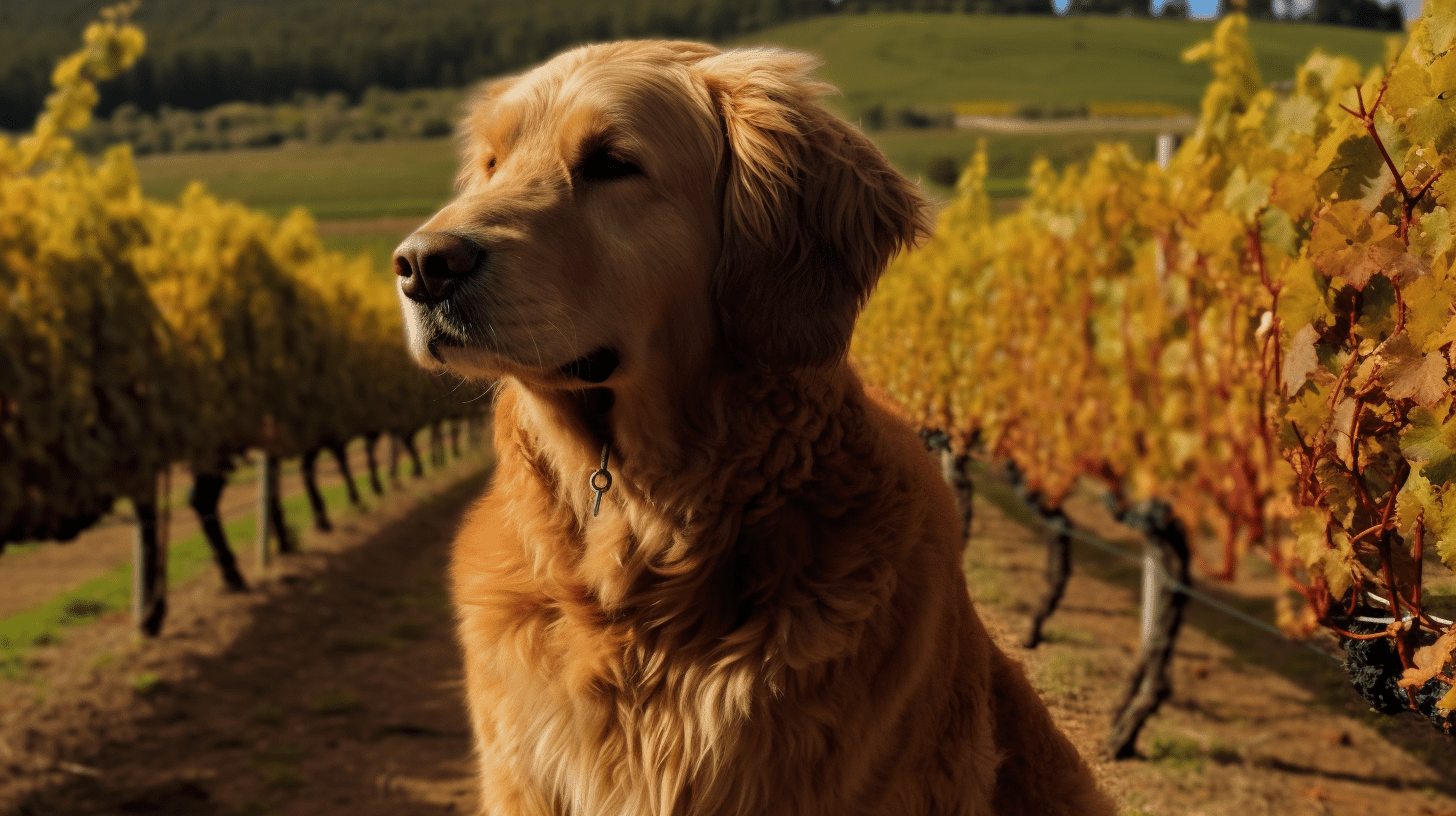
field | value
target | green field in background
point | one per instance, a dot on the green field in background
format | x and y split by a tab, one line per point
940	59
1008	156
896	61
343	180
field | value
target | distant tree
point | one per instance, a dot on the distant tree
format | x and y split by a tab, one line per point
1360	14
1260	9
1174	10
1257	9
1127	8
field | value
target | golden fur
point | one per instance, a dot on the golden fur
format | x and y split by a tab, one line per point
768	616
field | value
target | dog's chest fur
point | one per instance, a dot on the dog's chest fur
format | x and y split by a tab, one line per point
642	662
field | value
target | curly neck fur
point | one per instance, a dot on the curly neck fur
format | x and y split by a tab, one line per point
771	457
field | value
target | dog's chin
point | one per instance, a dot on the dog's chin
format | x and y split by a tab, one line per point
472	362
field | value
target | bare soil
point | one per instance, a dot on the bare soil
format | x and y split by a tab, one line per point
1256	724
334	687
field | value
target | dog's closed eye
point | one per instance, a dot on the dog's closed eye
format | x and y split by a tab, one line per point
603	164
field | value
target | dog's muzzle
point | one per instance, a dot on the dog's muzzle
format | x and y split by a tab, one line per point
431	264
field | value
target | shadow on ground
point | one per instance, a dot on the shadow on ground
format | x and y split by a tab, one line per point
341	695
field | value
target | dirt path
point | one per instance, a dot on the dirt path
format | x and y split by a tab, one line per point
335	689
1260	727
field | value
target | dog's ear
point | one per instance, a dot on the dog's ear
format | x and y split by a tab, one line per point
812	212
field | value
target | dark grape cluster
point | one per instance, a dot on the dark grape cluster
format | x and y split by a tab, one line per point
1374	669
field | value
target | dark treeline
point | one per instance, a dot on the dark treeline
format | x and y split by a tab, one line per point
204	52
1356	13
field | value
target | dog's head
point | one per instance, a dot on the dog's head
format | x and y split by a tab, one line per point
653	201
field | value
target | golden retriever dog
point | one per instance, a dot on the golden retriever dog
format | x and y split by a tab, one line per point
712	575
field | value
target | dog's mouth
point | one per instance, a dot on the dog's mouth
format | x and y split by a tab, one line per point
436	343
594	368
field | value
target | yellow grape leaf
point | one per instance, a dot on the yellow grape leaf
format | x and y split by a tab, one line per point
1409	374
1323	75
1449	701
1244	196
1293	117
1409	89
1428	435
1349	243
1438	23
1296	194
1336	565
1434	119
1433	233
1198	51
1417	499
1346	163
1302	300
1430	329
1436	508
1430	440
1300	359
1429	661
1344	416
1309	534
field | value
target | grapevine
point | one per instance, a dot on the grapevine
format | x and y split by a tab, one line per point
1258	337
136	334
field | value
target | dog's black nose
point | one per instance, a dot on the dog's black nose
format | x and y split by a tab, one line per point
432	263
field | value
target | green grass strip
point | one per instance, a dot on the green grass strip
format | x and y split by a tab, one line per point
45	623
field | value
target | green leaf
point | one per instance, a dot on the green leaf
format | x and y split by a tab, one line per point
1423	439
1430	441
1277	228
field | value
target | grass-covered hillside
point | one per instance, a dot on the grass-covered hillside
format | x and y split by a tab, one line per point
942	59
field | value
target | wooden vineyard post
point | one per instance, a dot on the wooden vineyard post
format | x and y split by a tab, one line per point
1149	685
1167	144
149	565
1154	580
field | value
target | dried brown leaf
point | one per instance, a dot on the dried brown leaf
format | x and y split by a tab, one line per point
1408	374
1429	660
1301	359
